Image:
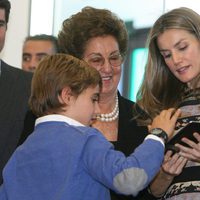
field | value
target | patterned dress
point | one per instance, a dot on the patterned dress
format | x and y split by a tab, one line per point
186	186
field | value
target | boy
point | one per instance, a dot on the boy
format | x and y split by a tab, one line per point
64	158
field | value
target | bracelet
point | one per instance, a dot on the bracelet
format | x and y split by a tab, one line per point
150	192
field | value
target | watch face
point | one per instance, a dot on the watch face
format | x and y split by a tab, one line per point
156	131
160	133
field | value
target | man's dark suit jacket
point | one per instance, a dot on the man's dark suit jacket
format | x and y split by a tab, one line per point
15	86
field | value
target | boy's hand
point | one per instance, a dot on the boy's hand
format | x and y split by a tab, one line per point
166	120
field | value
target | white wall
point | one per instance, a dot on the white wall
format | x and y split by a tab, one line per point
142	12
41	23
18	29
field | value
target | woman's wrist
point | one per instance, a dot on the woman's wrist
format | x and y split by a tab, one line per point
160	184
159	195
165	175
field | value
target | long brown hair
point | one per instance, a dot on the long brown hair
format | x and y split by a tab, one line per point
160	89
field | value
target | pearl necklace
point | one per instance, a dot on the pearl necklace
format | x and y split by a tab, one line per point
109	117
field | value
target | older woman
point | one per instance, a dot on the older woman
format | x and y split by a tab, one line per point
99	37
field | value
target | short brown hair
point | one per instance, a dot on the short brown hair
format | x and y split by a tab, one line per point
89	23
53	74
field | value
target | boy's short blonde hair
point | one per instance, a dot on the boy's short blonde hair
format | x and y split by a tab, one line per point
53	74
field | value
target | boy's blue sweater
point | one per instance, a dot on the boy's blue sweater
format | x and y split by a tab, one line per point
62	160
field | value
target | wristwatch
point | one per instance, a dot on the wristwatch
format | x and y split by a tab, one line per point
160	133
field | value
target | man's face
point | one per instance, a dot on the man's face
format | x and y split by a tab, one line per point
34	51
3	27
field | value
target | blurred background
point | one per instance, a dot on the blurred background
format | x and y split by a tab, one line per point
30	17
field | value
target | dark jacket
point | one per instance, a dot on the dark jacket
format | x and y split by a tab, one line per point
15	87
129	137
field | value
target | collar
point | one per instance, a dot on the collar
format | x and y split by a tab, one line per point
57	118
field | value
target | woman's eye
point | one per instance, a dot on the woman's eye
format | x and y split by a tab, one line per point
183	48
114	58
166	56
96	60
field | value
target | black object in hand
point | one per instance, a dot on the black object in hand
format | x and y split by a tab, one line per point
187	132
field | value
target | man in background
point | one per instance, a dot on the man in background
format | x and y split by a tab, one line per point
14	95
35	48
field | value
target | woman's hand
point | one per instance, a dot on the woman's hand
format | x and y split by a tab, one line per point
173	164
193	151
171	167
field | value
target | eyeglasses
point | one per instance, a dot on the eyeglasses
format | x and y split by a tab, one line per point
98	60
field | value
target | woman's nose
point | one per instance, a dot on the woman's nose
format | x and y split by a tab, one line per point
177	58
106	67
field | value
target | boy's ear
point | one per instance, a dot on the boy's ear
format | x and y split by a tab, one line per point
65	95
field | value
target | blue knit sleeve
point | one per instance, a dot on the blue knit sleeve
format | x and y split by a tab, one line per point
125	175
